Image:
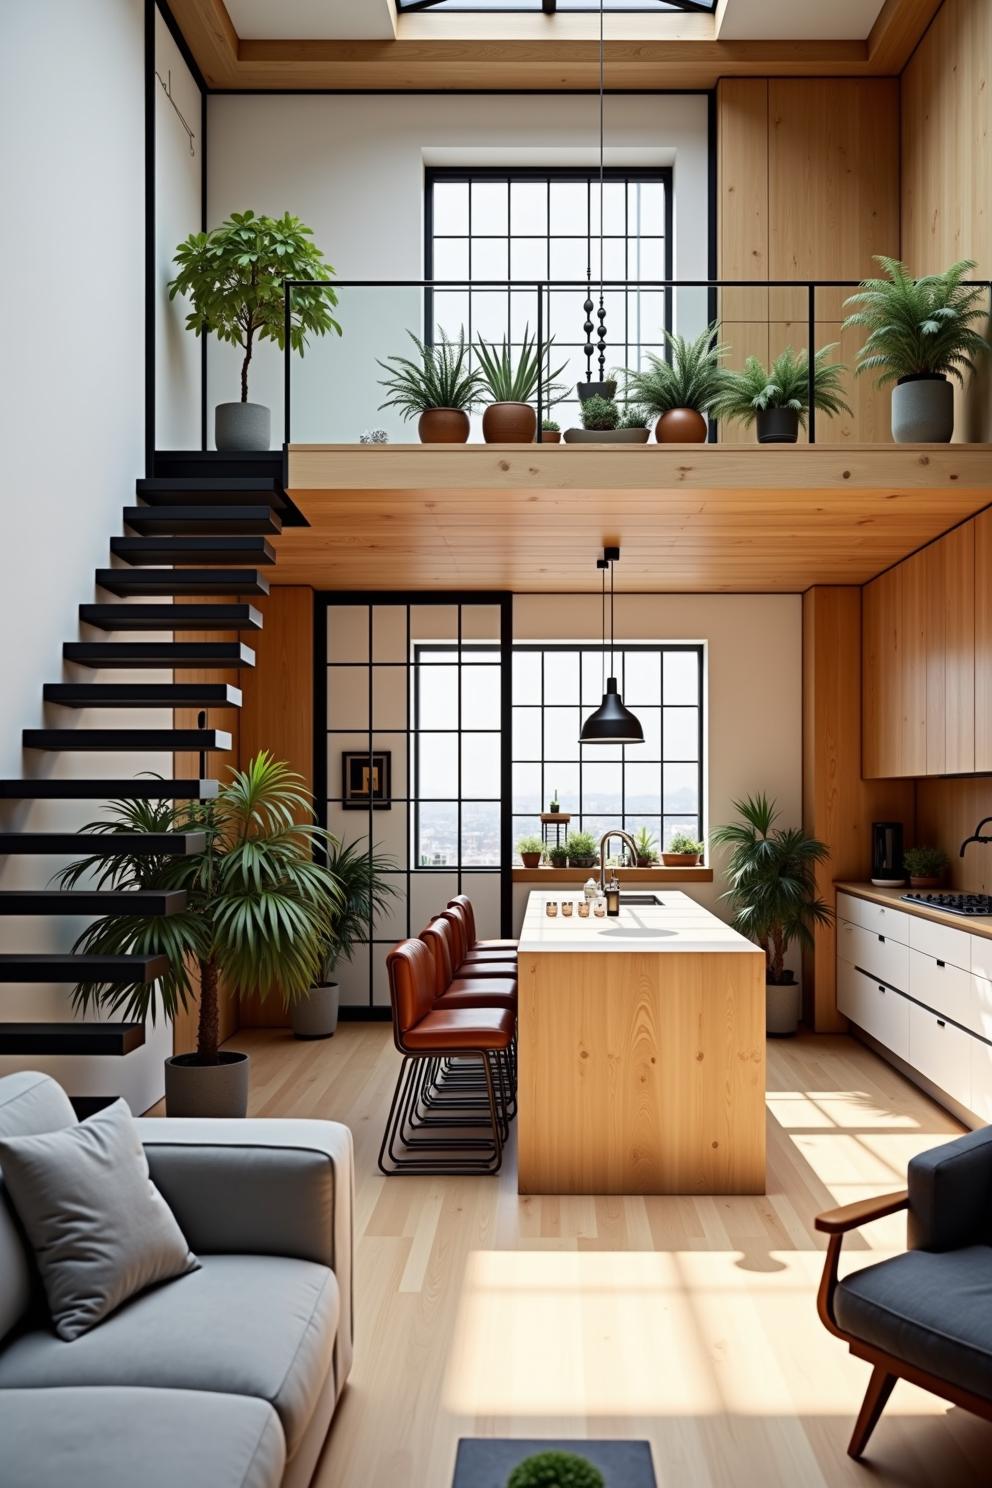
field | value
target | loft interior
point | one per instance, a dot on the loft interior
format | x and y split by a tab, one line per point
495	811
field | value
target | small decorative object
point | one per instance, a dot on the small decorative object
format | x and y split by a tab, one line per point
590	889
556	1470
921	333
551	909
558	855
510	418
550	432
599	906
367	780
554	805
647	851
583	909
439	387
602	424
567	905
374	436
679	392
683	851
926	867
531	850
581	850
776	398
613	898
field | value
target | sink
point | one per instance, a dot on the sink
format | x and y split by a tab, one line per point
639	899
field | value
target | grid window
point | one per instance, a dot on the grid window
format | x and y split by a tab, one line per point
468	7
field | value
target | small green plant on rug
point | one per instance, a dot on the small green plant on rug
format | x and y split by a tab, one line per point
647	847
558	855
691	379
439	377
531	848
925	862
581	849
785	384
632	416
555	1470
514	379
599	413
919	327
683	842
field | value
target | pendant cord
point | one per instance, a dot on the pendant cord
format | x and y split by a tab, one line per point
601	315
612	672
603	633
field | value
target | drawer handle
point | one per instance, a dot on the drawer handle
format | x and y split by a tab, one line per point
941	1023
941	964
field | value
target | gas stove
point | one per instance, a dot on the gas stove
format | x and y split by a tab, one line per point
971	905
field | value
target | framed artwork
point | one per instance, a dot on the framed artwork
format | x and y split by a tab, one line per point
367	780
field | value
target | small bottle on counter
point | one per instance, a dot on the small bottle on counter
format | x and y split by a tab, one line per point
613	898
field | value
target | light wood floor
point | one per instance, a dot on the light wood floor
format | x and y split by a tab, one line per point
691	1322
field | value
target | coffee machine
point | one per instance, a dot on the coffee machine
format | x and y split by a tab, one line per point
886	855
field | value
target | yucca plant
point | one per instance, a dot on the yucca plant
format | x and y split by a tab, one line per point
510	379
772	873
691	379
440	377
260	909
919	327
785	384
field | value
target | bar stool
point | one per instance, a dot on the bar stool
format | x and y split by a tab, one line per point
425	1035
463	902
488	986
474	962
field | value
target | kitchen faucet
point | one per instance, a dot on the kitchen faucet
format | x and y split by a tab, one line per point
976	834
628	842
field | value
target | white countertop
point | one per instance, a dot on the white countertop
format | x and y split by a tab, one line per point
678	923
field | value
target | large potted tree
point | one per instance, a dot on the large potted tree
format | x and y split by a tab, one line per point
258	916
921	334
365	893
438	388
680	392
234	276
772	874
776	398
511	382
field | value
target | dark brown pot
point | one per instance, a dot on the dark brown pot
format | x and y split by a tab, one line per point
193	1089
681	426
509	423
443	426
925	883
531	860
551	436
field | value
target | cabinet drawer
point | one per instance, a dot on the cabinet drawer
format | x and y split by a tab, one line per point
874	1007
941	942
874	953
891	923
981	956
941	1052
945	988
980	1018
981	1080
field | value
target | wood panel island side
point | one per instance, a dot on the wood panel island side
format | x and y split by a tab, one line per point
641	1052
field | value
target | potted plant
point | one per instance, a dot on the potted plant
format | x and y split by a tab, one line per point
510	418
647	850
365	892
926	867
257	917
555	1470
684	851
234	277
581	850
554	805
772	873
601	424
634	421
679	392
776	398
439	388
558	855
550	432
531	850
921	333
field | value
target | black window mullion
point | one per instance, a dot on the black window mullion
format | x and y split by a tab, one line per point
371	805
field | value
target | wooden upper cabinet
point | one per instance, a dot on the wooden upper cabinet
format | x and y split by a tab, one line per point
982	527
953	567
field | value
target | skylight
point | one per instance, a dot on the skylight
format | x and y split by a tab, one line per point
561	7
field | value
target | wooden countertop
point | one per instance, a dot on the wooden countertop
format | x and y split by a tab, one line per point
892	899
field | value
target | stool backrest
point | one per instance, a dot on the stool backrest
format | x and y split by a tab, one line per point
411	984
464	903
456	919
439	938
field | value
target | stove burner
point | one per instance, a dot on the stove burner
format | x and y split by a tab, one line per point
962	904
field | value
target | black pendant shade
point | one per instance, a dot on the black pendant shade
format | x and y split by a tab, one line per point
612	723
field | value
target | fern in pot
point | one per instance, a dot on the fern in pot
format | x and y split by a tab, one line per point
776	398
679	392
921	333
437	387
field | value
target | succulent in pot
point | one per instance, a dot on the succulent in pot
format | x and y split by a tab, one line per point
581	850
926	866
647	847
550	431
921	334
438	388
679	392
531	850
776	398
511	384
683	851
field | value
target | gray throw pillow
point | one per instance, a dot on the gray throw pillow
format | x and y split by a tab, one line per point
100	1229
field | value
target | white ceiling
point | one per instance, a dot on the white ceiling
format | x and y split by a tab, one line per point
798	20
311	20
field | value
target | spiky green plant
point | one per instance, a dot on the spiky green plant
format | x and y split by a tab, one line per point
647	846
772	873
440	378
259	908
599	413
510	379
785	384
919	327
691	379
366	893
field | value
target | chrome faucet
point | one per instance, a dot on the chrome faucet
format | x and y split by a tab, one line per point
976	835
628	842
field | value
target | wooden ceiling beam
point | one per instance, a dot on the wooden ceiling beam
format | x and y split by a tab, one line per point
896	32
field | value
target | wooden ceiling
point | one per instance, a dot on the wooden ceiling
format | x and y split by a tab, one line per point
689	518
493	52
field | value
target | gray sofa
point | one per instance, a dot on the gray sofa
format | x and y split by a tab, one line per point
225	1378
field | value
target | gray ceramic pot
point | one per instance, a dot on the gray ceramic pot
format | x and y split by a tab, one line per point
316	1017
778	426
783	1004
193	1089
242	426
922	410
607	436
586	390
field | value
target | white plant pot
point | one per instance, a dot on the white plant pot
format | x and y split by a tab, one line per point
316	1017
783	1005
922	410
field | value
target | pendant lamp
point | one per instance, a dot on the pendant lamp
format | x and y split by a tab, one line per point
611	723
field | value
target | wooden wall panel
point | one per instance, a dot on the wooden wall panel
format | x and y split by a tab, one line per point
742	194
947	811
983	640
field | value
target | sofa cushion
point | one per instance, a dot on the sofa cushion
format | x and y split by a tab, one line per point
241	1325
100	1438
100	1229
930	1309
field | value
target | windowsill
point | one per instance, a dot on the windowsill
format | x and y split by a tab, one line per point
625	875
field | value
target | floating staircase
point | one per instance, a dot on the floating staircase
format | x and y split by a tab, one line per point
190	535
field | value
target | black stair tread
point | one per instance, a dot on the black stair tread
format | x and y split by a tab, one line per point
190	520
171	617
142	694
142	788
71	1038
182	489
103	844
149	655
92	901
217	549
16	967
124	581
125	739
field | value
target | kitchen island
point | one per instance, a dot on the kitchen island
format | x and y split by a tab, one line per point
641	1052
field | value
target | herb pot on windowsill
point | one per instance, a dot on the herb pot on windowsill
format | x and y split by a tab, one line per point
582	860
607	436
443	426
681	860
647	862
531	860
778	425
316	1015
923	409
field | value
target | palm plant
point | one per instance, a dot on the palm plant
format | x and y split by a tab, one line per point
772	872
691	379
259	908
785	384
439	378
515	380
365	894
919	327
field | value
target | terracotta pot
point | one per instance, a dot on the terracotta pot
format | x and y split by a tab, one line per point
193	1089
443	426
925	883
551	436
681	426
531	860
680	860
509	423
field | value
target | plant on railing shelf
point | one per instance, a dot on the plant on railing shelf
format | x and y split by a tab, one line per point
679	392
926	866
776	398
511	382
549	426
599	413
531	850
683	851
581	849
440	387
647	847
921	333
632	416
555	1470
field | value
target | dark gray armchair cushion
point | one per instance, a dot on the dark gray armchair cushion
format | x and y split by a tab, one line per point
950	1194
928	1309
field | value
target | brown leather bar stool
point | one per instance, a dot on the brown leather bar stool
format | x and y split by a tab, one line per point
463	902
474	986
425	1035
471	962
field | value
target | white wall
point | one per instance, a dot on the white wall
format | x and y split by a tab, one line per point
71	391
353	167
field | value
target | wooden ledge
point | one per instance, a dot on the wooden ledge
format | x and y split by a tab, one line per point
552	876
